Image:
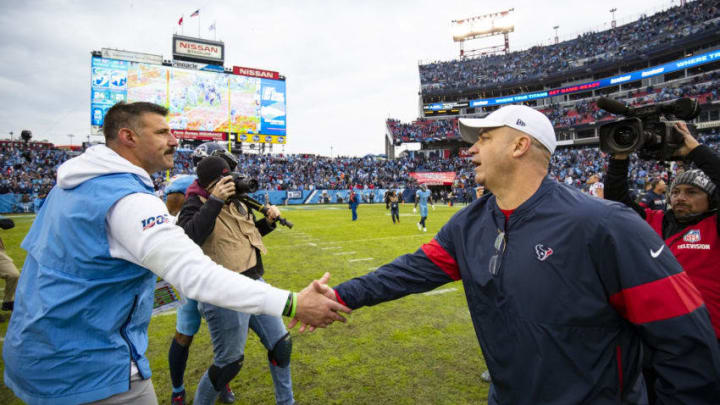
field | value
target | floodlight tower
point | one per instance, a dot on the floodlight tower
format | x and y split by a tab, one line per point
487	25
613	23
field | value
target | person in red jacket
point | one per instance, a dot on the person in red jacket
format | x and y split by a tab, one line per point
691	228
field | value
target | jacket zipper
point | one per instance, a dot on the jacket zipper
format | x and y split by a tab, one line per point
131	348
618	358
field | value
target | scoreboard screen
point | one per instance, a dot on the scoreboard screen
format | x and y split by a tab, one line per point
203	102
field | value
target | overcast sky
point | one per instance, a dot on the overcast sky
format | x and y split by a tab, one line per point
349	64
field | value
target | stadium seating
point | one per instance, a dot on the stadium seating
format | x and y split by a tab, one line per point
586	52
702	87
34	177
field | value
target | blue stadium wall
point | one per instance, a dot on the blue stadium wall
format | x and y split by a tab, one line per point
12	203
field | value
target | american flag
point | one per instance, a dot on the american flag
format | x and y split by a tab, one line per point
196	13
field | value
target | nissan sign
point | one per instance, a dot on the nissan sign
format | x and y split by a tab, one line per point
245	71
193	49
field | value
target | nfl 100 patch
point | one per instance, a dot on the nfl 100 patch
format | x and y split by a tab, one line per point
692	236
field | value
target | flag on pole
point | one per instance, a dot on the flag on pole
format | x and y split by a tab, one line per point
196	13
212	27
180	21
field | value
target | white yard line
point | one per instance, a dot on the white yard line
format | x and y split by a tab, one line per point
424	235
361	260
343	253
171	312
441	291
331	247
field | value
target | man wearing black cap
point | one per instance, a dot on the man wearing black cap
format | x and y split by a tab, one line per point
227	232
691	228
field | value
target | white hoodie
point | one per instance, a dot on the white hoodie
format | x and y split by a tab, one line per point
163	248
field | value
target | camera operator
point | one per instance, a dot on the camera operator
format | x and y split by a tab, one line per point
227	232
691	228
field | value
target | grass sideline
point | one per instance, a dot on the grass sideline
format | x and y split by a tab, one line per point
417	350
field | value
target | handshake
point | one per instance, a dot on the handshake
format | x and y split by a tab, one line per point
317	306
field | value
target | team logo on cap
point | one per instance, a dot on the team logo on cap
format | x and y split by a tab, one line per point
692	236
542	252
520	122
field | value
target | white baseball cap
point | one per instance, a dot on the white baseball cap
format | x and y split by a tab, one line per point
520	117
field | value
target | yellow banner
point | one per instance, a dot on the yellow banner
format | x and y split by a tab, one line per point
253	138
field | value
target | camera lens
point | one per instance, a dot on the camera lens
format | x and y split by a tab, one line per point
624	137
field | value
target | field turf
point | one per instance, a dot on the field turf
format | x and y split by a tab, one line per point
417	350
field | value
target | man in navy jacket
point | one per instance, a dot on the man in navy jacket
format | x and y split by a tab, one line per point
562	288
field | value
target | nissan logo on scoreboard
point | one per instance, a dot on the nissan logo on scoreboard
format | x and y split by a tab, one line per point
246	71
193	49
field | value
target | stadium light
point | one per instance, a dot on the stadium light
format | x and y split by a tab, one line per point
556	34
487	25
11	136
71	136
612	11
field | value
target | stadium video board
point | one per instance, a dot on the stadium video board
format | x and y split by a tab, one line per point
201	104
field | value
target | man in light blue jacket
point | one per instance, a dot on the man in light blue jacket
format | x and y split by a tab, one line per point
85	296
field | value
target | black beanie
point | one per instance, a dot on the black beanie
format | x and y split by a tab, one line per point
210	169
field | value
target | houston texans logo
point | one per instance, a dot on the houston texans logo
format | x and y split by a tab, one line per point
542	252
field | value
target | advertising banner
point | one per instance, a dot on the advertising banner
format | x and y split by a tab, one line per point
128	56
197	49
199	135
246	71
197	66
434	178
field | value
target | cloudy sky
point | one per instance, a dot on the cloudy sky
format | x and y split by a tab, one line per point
349	64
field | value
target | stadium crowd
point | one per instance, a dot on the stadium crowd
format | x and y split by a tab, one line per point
636	38
423	130
30	169
703	88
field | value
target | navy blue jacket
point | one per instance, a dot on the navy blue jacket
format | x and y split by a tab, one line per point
580	284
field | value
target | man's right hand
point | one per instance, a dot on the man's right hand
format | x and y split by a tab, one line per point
224	188
317	306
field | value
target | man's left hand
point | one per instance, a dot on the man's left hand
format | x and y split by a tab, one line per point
273	212
689	142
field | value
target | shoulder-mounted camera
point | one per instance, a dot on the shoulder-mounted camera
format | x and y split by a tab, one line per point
649	130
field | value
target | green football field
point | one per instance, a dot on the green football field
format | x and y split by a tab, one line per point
417	350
